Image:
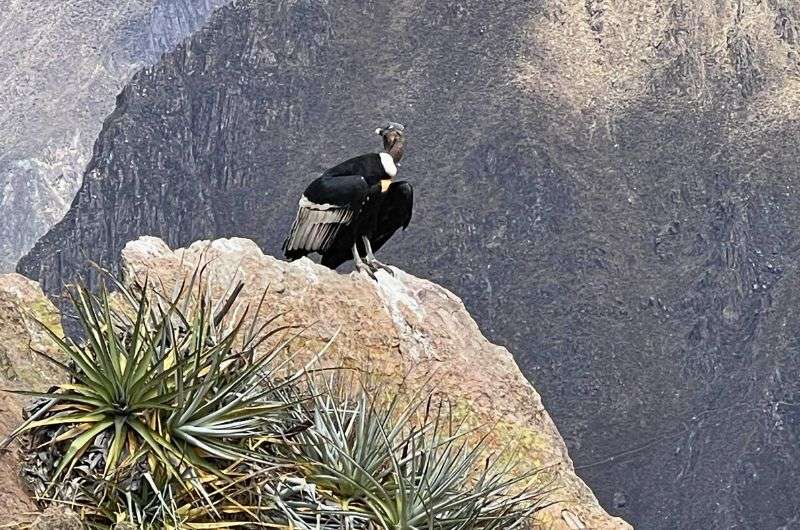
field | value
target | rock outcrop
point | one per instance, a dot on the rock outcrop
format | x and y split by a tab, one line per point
22	304
402	330
407	332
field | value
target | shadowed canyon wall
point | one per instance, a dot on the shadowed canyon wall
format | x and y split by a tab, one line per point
610	186
62	63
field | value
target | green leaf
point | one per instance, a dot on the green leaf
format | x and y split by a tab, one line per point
117	444
78	444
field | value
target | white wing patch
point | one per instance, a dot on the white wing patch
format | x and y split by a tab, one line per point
388	164
305	203
316	225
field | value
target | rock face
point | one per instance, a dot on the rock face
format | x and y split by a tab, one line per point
63	65
611	186
403	330
21	304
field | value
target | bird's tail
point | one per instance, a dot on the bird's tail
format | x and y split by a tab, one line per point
294	254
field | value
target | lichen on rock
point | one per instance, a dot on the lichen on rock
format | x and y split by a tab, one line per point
22	303
58	517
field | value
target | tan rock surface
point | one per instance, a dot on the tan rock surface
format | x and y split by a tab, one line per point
402	327
21	303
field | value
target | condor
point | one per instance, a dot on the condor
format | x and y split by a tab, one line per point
353	208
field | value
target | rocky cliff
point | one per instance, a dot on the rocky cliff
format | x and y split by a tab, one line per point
406	333
611	186
22	303
63	65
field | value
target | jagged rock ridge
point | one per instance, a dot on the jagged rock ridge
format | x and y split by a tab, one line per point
63	65
611	186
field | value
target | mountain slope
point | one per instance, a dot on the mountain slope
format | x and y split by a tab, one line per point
611	186
63	64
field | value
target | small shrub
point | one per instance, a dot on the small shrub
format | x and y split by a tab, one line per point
375	467
166	398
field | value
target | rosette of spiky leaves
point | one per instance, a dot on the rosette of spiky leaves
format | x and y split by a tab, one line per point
344	455
375	464
349	448
434	484
169	381
227	401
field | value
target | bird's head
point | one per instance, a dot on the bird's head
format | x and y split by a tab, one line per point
393	139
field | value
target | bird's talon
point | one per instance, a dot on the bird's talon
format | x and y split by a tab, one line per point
378	265
366	268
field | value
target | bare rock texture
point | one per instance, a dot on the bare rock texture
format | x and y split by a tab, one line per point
611	186
63	63
401	329
22	303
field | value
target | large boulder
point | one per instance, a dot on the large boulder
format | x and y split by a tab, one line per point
403	330
23	311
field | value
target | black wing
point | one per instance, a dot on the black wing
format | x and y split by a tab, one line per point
328	204
395	213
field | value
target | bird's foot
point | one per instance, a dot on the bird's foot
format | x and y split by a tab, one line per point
376	265
364	267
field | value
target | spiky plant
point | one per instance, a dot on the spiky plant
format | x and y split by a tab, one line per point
170	420
166	403
373	467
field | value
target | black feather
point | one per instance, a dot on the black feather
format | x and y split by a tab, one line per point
394	212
